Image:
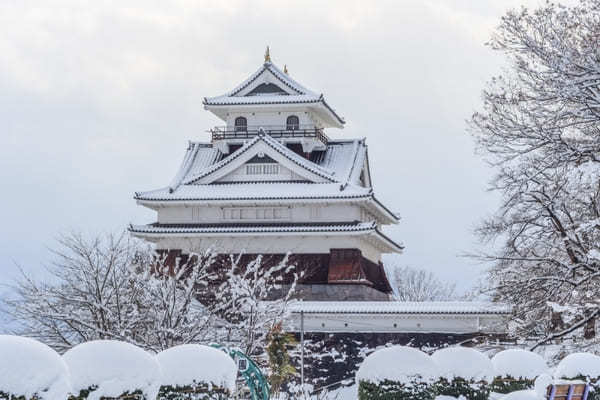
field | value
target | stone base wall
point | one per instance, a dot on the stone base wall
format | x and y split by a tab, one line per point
332	359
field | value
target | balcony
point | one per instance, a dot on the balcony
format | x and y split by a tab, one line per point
275	131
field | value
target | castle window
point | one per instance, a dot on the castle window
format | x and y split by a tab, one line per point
256	214
292	123
241	124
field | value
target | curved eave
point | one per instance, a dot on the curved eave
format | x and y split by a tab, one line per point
362	229
367	230
158	202
383	210
391	245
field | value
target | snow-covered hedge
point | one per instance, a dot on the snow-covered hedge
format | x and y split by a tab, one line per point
463	372
108	368
196	372
399	373
30	369
583	366
516	369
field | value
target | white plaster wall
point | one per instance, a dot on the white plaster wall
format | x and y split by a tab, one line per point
404	323
346	212
272	118
271	244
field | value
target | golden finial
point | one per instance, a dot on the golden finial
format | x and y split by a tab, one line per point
267	55
285	69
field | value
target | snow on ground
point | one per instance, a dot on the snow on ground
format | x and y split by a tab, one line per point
194	363
399	364
29	367
115	367
518	363
523	395
576	364
463	362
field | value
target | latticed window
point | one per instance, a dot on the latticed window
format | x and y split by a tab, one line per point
292	123
241	124
262	169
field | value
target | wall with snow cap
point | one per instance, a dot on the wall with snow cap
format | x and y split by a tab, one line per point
28	368
191	364
114	367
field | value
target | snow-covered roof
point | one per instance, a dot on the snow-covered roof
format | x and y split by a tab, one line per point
339	167
31	369
189	364
273	144
256	191
291	92
356	228
399	307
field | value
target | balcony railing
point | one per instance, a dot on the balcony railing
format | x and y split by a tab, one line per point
275	131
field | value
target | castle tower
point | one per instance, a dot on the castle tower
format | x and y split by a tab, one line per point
271	182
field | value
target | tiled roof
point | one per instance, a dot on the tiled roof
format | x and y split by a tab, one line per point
340	163
274	144
284	78
256	191
300	95
354	228
253	228
399	307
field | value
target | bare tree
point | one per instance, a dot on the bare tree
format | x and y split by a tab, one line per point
539	128
414	284
255	300
114	287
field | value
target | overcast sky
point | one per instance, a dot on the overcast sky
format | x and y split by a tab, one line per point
98	99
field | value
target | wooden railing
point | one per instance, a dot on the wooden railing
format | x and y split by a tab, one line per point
278	131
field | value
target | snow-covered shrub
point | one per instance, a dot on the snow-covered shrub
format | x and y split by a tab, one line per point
463	372
516	369
581	366
31	370
397	373
196	372
108	369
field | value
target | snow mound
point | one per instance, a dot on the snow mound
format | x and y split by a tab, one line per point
518	363
577	364
194	363
523	395
463	362
397	363
541	384
114	367
28	368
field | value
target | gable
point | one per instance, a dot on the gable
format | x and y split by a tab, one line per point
273	153
253	171
267	83
267	88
